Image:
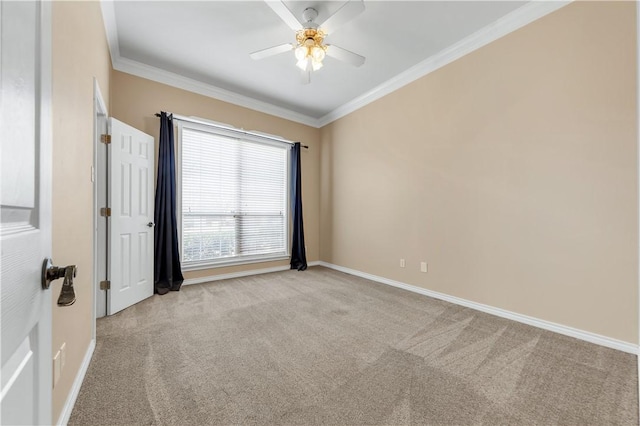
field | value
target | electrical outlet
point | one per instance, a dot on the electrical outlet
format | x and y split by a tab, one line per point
63	356
56	369
402	263
423	266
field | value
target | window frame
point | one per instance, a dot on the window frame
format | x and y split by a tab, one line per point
240	136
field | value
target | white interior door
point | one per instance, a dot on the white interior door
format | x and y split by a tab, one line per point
131	155
25	204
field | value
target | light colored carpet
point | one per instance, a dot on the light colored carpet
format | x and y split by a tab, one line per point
322	347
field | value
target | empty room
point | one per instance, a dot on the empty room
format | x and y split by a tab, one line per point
319	212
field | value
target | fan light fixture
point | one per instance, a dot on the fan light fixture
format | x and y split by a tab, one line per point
310	51
309	48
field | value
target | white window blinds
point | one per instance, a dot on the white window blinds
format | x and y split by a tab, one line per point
234	198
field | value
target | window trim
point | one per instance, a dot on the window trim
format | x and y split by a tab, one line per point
240	135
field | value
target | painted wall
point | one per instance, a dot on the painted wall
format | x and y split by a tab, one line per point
511	171
135	100
80	53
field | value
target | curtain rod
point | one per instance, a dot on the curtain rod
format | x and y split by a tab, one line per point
233	129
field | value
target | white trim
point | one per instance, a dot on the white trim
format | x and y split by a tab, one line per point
175	80
99	108
503	313
520	17
77	384
110	27
517	19
238	274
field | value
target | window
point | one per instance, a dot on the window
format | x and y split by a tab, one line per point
234	198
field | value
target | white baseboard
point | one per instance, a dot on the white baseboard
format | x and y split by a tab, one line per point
77	384
239	274
536	322
230	275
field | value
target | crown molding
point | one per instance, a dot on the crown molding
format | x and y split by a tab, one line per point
110	28
507	24
176	80
517	19
149	72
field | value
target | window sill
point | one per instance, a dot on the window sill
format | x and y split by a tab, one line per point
196	266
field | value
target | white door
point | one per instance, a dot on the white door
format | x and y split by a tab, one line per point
131	154
25	203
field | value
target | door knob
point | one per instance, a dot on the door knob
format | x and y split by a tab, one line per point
52	273
151	224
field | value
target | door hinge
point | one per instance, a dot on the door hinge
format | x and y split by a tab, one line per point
105	285
105	211
105	139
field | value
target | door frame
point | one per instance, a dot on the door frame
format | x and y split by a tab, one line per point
99	178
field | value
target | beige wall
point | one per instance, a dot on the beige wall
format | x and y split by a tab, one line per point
135	100
511	171
80	53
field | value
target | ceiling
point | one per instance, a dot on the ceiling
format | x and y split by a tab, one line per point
207	44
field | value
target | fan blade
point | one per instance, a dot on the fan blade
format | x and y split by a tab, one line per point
347	12
271	51
305	77
344	55
285	14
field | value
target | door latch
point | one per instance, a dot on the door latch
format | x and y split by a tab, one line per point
52	273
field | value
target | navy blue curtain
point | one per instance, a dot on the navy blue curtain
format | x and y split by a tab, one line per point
167	273
298	254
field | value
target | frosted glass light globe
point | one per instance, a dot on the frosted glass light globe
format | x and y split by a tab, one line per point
303	64
301	53
317	53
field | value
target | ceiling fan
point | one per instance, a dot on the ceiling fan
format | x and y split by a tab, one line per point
309	47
